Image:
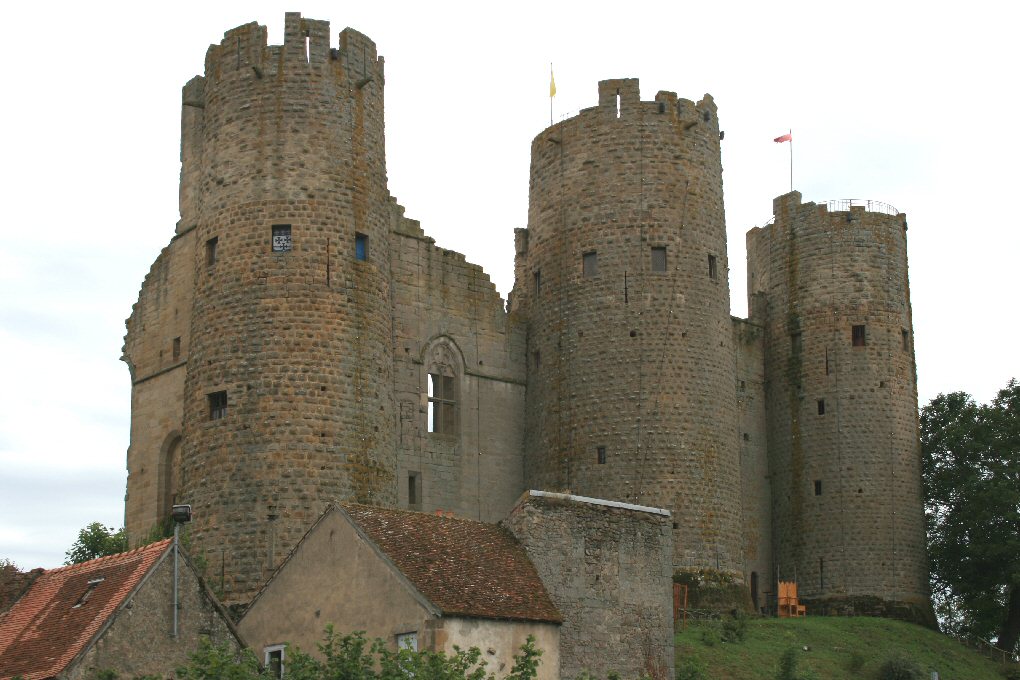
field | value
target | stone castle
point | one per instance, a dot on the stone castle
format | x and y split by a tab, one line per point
300	340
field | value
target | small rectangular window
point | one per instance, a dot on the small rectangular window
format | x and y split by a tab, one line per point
658	259
361	247
713	270
796	342
273	658
282	241
601	453
210	251
590	264
538	359
217	405
414	490
906	339
177	349
408	641
821	407
538	283
859	336
818	487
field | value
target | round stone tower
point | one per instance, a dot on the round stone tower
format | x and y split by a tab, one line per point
622	278
288	396
828	283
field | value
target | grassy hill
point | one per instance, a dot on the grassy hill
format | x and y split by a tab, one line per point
837	648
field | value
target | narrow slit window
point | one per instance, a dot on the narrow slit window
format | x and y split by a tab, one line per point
905	334
828	366
658	259
600	452
818	487
617	103
590	264
538	283
414	490
821	407
177	348
442	404
217	405
858	336
796	342
361	247
713	268
210	250
537	356
282	241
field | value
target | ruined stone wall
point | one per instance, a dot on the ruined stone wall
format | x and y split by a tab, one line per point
156	351
299	339
448	316
140	642
755	484
631	361
608	569
842	414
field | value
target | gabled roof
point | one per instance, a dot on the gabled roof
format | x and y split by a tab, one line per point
44	631
463	567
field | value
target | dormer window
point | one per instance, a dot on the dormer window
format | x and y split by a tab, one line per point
88	592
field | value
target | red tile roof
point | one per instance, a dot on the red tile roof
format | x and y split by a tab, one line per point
44	630
463	567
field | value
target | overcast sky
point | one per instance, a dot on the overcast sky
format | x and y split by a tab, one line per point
904	103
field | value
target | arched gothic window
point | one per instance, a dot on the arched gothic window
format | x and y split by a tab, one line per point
442	389
169	478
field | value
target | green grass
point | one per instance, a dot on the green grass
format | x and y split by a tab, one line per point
837	648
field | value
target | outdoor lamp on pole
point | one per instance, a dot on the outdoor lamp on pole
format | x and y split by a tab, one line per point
179	514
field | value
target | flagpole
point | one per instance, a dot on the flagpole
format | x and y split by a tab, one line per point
792	159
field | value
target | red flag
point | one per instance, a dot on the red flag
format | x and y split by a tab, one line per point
788	137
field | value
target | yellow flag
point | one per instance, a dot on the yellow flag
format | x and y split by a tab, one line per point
552	82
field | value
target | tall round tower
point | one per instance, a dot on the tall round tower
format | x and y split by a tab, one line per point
829	285
288	396
622	277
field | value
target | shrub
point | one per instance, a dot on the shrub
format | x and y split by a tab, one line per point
900	668
734	627
690	669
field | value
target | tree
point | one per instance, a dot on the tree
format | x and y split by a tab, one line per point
971	468
94	541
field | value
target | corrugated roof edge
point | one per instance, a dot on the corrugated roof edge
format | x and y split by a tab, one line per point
533	493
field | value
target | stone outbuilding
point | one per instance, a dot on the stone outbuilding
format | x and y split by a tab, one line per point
110	614
424	581
608	568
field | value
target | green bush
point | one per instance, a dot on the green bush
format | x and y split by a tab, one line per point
900	668
734	627
690	669
354	656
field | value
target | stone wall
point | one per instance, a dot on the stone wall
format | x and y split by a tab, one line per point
842	404
156	350
448	318
755	484
608	569
139	640
622	278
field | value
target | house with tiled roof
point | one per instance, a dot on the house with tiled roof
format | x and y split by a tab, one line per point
115	614
419	580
